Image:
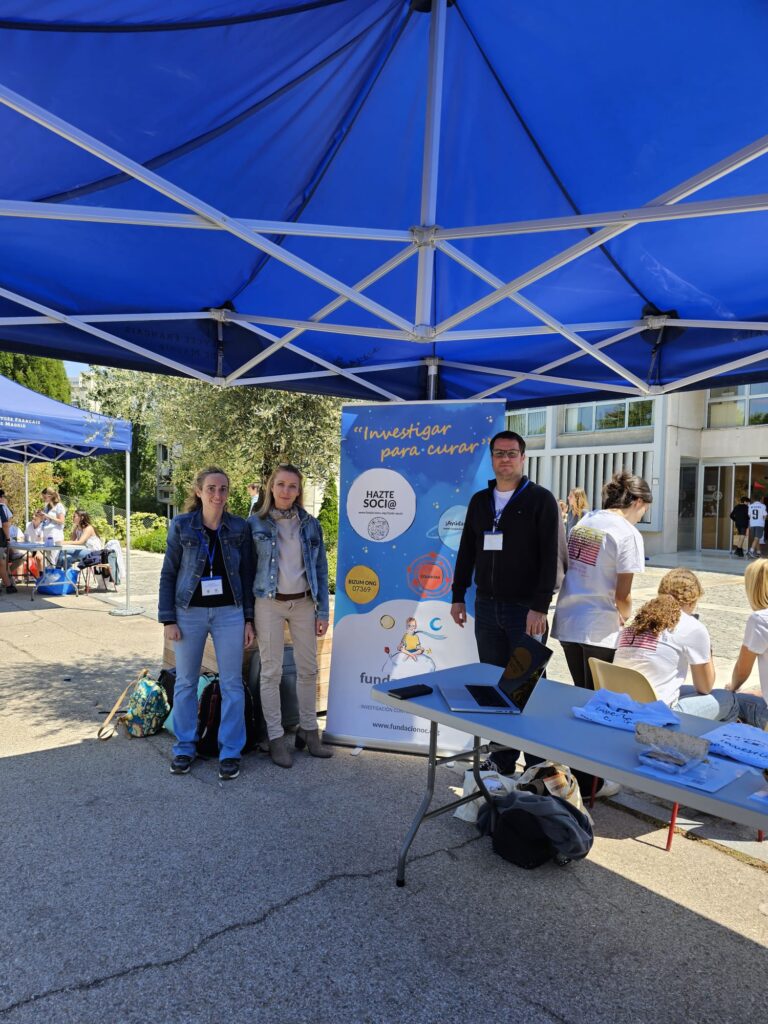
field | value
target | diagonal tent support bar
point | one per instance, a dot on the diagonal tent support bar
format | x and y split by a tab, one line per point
562	361
314	374
128	346
736	364
540	314
154	181
638	215
431	160
323	328
672	196
521	375
338	370
324	312
191	221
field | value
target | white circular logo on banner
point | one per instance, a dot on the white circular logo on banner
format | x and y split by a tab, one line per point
381	505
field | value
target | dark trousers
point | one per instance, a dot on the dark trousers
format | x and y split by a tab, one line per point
499	625
577	656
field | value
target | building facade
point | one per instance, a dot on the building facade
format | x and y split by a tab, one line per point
699	451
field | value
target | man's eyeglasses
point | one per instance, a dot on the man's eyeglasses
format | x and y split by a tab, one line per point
503	453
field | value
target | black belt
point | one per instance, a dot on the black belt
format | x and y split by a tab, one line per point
292	597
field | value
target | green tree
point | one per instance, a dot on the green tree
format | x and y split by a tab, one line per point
46	376
329	513
246	431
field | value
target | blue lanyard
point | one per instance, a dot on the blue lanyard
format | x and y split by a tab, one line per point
210	551
497	515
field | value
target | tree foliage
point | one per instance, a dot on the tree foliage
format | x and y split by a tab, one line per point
46	376
329	513
246	431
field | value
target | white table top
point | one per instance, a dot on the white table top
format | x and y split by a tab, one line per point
37	545
549	729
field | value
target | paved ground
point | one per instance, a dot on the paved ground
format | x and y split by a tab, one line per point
130	894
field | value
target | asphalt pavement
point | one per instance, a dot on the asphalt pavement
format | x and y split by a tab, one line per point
129	894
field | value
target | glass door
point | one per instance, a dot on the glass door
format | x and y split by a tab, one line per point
686	508
723	487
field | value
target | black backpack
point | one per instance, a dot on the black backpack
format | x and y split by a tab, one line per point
531	830
209	719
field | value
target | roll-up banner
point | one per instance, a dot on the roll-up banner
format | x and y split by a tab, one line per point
408	471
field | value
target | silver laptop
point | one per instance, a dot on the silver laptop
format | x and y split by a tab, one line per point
510	695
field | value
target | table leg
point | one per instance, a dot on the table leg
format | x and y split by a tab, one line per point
423	812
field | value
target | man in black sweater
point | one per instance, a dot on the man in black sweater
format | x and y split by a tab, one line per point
513	543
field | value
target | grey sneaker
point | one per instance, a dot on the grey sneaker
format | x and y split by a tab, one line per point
229	768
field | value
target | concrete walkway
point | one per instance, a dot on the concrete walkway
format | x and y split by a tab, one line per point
129	894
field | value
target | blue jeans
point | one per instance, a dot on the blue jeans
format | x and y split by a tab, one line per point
499	625
226	626
719	705
68	556
752	709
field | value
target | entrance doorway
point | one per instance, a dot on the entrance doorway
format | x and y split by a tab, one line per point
686	507
722	487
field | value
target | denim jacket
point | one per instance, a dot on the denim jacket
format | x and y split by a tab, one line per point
186	561
264	533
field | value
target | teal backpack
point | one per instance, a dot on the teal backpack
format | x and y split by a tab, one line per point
145	713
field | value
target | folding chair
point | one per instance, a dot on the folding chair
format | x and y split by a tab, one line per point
89	573
619	679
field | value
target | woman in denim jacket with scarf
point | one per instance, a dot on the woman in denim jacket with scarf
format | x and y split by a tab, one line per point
206	586
290	585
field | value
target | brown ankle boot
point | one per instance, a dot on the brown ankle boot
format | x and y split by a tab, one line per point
310	738
280	752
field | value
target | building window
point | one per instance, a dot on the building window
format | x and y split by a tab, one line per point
617	415
579	418
738	405
527	422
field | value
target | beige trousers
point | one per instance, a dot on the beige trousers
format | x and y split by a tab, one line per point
270	617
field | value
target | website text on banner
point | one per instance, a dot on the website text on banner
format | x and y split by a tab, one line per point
408	471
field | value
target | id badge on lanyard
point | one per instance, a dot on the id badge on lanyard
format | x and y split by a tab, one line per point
210	585
493	540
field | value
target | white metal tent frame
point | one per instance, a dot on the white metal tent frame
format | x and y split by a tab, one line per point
421	241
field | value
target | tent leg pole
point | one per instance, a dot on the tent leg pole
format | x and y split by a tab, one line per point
432	364
127	610
27	516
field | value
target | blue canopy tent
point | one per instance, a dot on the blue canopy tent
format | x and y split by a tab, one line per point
35	428
390	199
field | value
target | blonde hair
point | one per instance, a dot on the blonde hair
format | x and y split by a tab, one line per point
580	501
683	585
656	615
194	501
756	584
284	467
54	495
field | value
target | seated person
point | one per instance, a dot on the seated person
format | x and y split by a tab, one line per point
15	557
84	539
664	639
5	531
33	534
753	709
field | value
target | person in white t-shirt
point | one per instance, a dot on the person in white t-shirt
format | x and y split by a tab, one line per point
664	639
757	513
753	709
53	514
605	550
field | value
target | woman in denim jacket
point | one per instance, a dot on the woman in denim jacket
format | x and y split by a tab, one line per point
206	586
290	585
